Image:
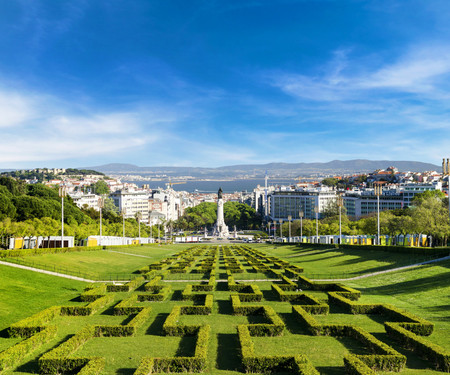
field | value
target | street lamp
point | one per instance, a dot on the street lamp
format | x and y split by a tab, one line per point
124	212
289	218
151	229
281	229
101	203
446	172
378	189
316	210
139	217
62	194
300	215
340	203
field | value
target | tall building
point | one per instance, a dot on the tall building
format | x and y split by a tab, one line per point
133	202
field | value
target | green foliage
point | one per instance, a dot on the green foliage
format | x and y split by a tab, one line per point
29	326
330	181
205	214
422	347
14	354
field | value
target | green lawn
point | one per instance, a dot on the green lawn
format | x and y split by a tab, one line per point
340	263
102	264
423	291
23	293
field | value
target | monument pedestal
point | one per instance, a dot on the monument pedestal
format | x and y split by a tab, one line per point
220	228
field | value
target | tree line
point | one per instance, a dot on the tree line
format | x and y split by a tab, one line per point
35	210
428	214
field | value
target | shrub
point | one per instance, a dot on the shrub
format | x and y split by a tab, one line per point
89	309
29	326
92	294
422	347
57	360
16	353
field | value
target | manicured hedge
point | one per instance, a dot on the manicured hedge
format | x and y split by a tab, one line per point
91	294
29	326
197	363
125	307
131	285
354	366
152	285
431	251
57	360
14	354
89	309
161	295
298	364
30	252
124	330
439	356
385	357
250	293
409	321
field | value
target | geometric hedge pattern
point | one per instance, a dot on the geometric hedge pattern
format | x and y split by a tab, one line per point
197	299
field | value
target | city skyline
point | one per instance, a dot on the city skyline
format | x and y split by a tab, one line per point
208	83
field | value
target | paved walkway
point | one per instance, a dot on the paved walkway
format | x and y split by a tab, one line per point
46	272
135	255
387	271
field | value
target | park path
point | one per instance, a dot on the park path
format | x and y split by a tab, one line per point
390	270
46	272
135	255
329	280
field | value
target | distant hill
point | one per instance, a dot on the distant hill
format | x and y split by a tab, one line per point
273	169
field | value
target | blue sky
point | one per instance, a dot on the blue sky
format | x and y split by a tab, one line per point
212	83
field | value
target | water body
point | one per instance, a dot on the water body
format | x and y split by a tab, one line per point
212	186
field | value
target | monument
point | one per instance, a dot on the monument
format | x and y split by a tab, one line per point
220	228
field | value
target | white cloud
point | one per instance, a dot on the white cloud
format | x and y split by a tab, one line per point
421	70
41	128
15	109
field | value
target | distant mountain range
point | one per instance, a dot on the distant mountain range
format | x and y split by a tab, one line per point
288	170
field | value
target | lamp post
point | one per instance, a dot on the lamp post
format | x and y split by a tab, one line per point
340	203
378	191
300	215
124	212
446	172
62	194
316	210
139	217
274	223
289	218
101	203
281	229
151	229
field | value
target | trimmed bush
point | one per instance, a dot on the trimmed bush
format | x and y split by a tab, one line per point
354	366
124	330
91	294
131	285
298	364
57	360
125	307
439	356
13	355
89	309
161	295
29	326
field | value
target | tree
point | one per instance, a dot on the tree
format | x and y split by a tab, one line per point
330	181
100	187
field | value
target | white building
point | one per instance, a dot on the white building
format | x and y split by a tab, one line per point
286	203
132	202
82	200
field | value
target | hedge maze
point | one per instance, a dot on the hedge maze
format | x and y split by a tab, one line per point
237	311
